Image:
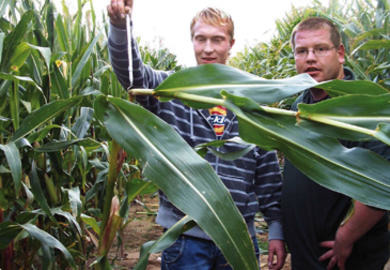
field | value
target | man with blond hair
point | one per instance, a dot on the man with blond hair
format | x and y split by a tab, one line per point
254	180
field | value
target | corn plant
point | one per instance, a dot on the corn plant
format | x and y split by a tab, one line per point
54	163
364	26
75	153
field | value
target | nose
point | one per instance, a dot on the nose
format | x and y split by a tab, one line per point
208	48
310	55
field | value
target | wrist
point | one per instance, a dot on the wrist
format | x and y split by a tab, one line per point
346	235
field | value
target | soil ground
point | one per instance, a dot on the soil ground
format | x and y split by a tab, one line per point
143	228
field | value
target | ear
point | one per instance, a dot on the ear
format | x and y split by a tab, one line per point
341	54
232	41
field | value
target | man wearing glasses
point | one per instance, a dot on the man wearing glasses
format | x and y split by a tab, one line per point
313	216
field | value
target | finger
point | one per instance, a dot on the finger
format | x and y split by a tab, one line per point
270	258
331	263
129	3
326	255
281	257
341	264
328	244
118	7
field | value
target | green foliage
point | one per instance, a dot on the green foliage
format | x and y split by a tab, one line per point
160	59
365	32
54	155
65	185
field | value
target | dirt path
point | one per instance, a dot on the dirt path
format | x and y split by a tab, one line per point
143	229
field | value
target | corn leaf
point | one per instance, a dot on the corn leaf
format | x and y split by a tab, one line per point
2	36
3	6
8	231
11	153
39	195
13	39
356	172
58	146
59	83
62	35
43	114
357	110
166	240
343	87
208	80
48	241
189	182
83	61
45	52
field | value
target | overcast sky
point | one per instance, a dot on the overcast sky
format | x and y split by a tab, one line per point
167	22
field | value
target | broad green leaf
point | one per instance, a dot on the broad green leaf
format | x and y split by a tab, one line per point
189	181
91	221
11	153
343	87
44	114
358	70
373	45
50	22
69	217
83	122
232	155
62	35
203	148
3	6
356	172
208	80
6	76
358	110
2	36
74	200
166	240
4	119
45	52
59	83
137	187
4	169
20	55
8	231
383	133
39	195
58	146
48	241
14	104
83	61
13	39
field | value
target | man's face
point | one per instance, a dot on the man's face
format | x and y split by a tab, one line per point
212	44
316	55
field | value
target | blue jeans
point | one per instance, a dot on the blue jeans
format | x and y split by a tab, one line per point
190	253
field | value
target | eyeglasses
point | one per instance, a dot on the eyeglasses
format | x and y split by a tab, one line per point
317	51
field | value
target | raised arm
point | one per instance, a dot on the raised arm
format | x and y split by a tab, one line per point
144	76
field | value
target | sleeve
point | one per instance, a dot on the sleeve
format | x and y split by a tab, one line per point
268	184
144	75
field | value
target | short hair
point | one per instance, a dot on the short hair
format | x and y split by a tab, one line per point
215	17
316	23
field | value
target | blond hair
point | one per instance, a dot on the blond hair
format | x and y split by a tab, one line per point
215	17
